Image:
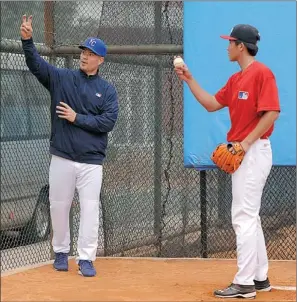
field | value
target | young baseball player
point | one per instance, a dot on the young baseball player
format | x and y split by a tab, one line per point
84	108
251	96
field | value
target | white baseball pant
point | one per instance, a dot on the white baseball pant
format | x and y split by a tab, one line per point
247	186
64	176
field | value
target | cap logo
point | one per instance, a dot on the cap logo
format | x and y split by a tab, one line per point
92	42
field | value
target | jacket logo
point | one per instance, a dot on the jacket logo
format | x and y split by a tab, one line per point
98	95
243	95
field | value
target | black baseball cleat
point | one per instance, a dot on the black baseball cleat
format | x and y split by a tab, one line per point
237	291
263	286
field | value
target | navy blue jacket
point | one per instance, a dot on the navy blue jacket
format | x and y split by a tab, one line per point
93	99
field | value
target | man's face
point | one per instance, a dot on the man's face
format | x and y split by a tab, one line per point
89	61
234	51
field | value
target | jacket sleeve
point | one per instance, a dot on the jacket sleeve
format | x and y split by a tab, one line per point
43	71
103	122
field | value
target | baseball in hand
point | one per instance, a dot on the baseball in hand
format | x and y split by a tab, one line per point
178	62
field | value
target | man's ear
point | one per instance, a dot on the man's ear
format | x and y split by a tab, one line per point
101	60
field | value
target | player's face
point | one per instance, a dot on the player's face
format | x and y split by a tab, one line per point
234	51
89	61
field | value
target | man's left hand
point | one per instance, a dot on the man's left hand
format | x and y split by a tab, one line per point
66	112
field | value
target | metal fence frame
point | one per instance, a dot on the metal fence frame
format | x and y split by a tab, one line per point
72	52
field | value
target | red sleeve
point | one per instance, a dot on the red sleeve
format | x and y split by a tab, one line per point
268	96
223	95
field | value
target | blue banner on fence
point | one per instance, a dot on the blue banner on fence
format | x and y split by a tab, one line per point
205	53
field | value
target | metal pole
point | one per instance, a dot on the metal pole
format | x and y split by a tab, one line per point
48	39
49	23
185	216
14	46
222	202
69	64
158	136
149	49
203	214
27	110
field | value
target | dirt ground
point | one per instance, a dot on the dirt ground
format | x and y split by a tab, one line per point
140	279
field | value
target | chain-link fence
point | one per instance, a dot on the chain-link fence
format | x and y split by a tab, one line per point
151	204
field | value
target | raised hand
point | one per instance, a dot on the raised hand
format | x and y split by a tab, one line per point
183	73
26	27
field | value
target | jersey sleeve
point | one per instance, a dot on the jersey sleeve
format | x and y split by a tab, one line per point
223	95
268	98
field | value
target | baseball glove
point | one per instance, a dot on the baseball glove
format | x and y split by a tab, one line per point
228	157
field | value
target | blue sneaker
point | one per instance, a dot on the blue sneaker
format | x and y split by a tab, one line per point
86	268
61	262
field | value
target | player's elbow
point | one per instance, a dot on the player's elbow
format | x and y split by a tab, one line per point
213	105
211	109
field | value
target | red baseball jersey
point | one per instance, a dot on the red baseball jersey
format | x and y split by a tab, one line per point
247	94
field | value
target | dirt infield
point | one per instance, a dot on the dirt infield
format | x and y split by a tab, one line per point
140	279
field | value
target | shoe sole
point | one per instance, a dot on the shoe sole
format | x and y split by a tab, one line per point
80	273
246	296
61	270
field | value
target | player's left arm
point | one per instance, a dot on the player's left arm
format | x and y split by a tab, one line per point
103	122
266	121
268	107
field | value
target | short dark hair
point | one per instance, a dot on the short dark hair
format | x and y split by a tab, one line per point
252	51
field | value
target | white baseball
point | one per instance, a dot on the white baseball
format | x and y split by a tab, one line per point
178	62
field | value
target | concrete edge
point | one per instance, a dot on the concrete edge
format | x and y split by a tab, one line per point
25	268
28	267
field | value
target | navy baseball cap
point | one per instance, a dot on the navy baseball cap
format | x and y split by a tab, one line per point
245	33
96	45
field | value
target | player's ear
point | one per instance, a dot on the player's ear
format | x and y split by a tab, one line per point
241	47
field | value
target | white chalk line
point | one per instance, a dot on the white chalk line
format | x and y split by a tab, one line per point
287	288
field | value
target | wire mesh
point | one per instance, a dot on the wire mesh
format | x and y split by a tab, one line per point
151	204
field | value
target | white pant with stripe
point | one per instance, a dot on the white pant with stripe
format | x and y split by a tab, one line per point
64	176
247	186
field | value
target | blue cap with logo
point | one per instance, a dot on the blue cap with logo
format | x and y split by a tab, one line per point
96	45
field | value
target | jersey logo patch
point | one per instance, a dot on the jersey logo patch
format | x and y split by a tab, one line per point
243	95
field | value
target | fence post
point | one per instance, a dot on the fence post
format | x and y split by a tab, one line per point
185	216
158	133
48	8
69	64
223	202
48	15
203	214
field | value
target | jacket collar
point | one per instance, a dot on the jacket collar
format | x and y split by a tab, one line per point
93	76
